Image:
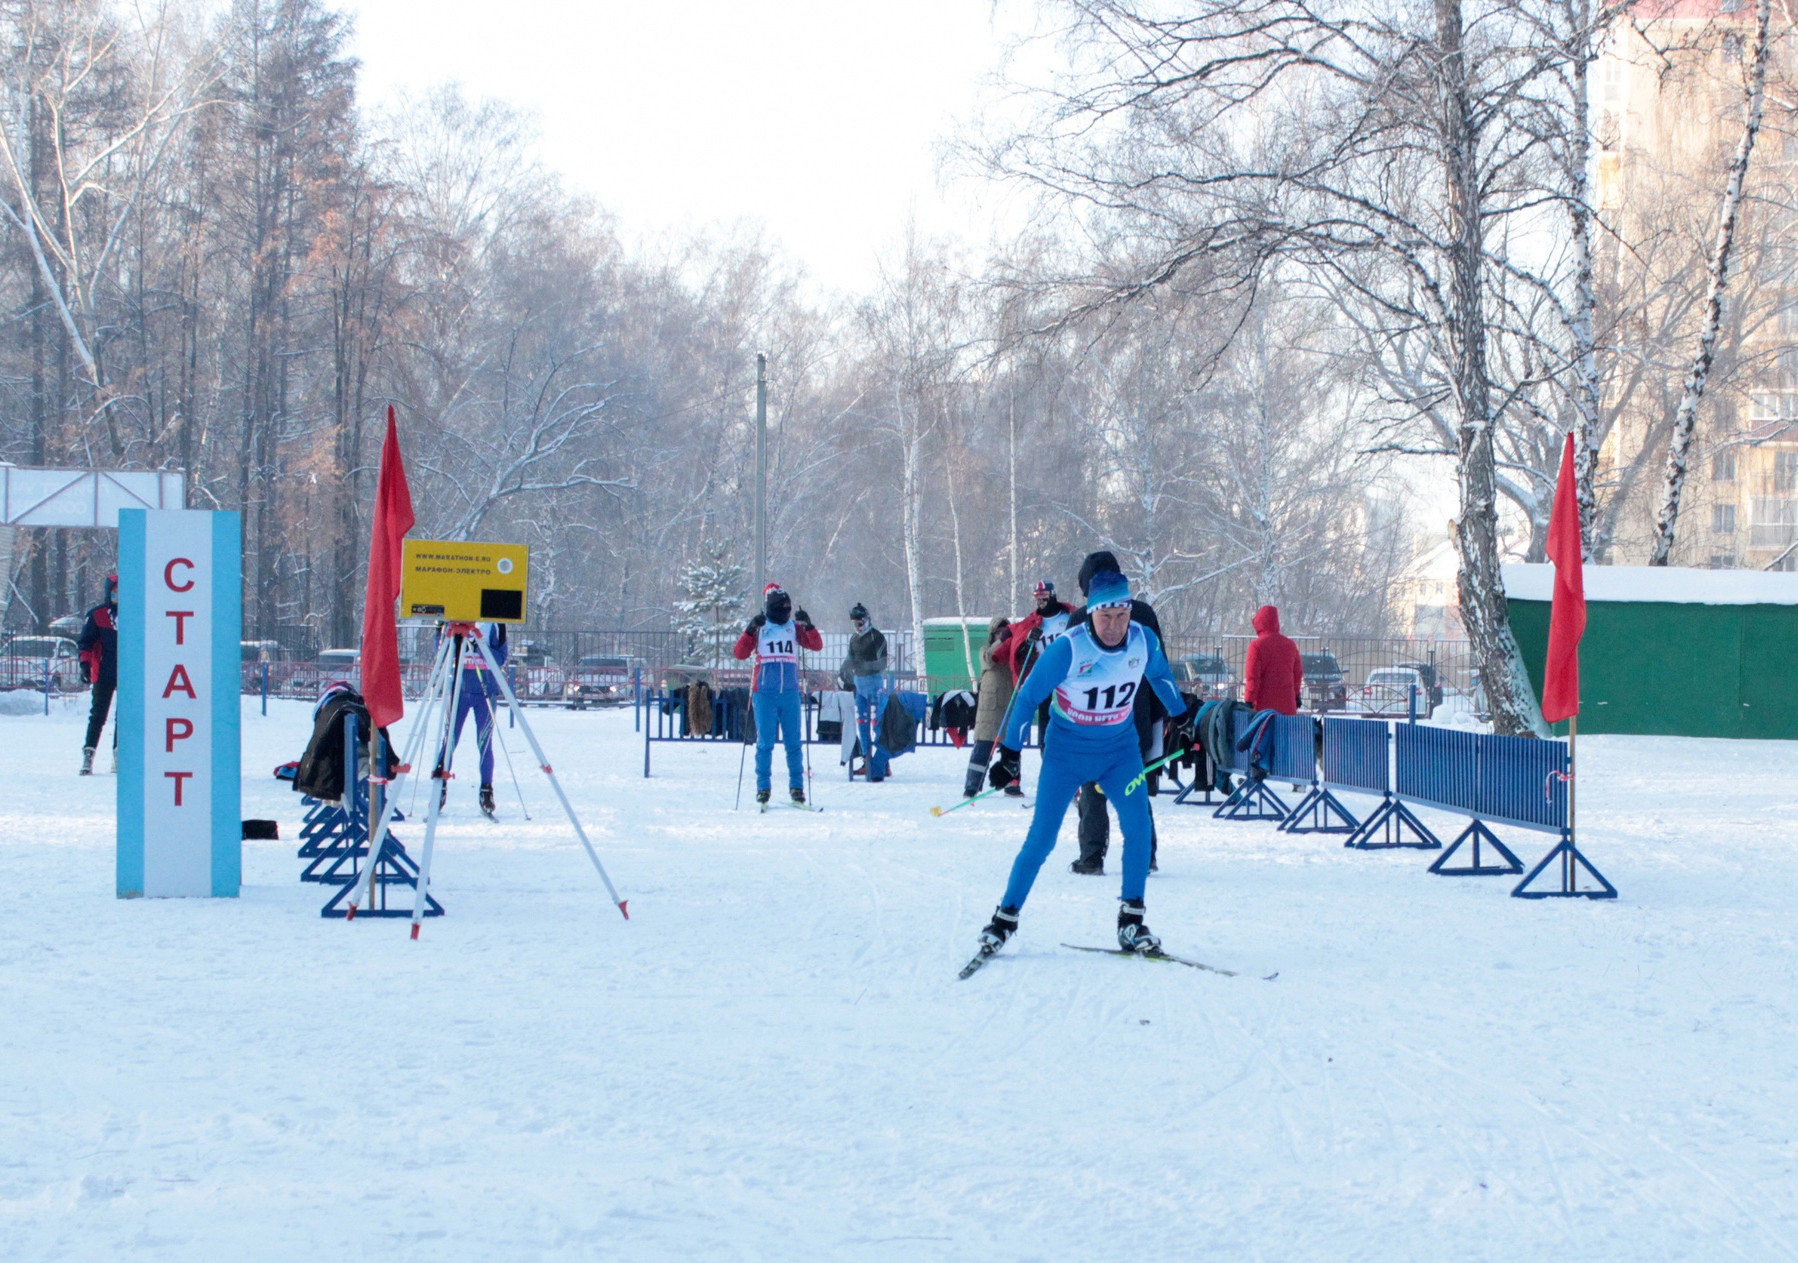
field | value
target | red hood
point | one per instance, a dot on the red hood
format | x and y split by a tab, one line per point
1267	620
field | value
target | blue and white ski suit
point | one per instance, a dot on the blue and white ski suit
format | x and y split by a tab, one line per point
1091	738
478	692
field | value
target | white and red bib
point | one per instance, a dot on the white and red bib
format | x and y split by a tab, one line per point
777	642
1101	684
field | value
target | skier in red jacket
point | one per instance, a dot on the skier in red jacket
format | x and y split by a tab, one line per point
1273	673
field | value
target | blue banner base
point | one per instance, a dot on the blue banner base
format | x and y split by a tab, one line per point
396	871
1320	811
1476	834
1566	877
1393	825
1253	800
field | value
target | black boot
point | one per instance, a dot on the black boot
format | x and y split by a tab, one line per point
1133	935
87	760
1088	868
761	796
1003	925
487	801
798	796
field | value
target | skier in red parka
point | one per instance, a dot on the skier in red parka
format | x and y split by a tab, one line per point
1273	673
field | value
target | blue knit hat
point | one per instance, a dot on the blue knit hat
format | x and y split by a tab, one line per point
1108	588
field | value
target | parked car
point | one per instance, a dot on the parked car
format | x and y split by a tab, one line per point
1325	689
69	625
600	680
1207	676
1388	692
25	659
264	651
1431	680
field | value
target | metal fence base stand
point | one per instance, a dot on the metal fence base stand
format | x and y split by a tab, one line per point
1476	833
1185	797
1320	811
1389	827
1253	800
1568	871
396	872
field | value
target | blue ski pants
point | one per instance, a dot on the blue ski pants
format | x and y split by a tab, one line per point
868	692
772	709
473	701
1072	758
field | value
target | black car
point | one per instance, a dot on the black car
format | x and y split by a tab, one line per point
1325	689
1207	675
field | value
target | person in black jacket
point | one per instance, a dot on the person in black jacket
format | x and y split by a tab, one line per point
865	667
1095	823
99	646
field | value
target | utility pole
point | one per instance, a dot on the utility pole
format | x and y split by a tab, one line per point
761	480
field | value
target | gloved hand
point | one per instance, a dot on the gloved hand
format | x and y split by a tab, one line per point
803	619
86	673
755	624
1005	769
1183	729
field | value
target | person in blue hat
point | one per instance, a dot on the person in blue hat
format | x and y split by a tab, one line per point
1090	677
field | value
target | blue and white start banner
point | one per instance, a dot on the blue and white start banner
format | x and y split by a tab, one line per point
180	826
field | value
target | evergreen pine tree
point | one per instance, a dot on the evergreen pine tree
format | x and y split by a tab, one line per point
711	597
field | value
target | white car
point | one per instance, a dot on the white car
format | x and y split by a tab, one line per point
26	658
1388	692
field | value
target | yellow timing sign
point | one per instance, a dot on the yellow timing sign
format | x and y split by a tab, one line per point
463	583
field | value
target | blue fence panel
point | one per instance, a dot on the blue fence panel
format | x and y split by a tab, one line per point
1523	782
1507	780
1436	766
1356	755
1295	748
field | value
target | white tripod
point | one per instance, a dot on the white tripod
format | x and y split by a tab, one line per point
445	688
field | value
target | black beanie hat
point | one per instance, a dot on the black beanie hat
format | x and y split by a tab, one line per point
1095	562
778	606
860	611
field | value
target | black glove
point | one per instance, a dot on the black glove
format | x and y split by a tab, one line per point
803	619
85	672
755	624
1005	769
1183	729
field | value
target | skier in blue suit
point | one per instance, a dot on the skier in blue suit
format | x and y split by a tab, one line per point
476	697
1091	677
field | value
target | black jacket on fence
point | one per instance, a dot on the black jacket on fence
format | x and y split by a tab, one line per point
321	772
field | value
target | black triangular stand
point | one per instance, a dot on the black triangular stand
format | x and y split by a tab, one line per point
1477	833
1389	826
1571	862
1253	800
395	870
1319	812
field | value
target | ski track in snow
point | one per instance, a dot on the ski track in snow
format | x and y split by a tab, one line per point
773	1060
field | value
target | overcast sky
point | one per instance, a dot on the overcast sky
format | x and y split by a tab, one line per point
820	118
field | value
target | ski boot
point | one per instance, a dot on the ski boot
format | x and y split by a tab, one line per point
87	760
1003	925
1014	790
761	797
1133	935
1095	869
487	801
798	796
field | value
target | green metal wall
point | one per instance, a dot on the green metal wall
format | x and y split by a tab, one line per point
946	662
1678	670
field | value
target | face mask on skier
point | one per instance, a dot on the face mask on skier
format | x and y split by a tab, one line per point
778	606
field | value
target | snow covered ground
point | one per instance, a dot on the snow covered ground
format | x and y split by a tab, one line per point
773	1059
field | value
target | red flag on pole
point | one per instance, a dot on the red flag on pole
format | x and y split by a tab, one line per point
1567	616
380	635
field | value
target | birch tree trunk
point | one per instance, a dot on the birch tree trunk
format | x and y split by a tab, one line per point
1679	443
1482	594
1586	402
911	496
